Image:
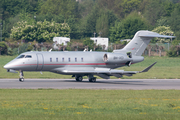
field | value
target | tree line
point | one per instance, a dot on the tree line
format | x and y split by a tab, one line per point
115	19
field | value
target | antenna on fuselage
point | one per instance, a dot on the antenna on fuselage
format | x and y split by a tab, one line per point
85	50
50	50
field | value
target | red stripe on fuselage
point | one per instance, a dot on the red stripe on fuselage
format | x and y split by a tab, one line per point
79	64
66	64
71	64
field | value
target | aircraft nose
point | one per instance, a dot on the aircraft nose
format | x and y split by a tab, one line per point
10	65
6	66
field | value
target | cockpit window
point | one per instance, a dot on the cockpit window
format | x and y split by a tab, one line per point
21	56
28	56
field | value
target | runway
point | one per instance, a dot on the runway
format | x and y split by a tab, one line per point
126	84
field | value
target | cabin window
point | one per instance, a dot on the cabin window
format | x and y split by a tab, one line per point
56	59
21	56
69	59
28	56
82	60
75	59
62	59
50	59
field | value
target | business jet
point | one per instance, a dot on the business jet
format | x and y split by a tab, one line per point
86	63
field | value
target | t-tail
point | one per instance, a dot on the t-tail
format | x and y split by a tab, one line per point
140	41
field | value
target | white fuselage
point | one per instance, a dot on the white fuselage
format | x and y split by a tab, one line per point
47	61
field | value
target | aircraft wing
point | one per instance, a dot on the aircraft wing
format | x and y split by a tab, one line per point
101	72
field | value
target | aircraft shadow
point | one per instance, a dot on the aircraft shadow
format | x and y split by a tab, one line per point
108	82
97	82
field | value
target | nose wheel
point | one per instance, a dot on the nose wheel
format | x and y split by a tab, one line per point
21	76
21	79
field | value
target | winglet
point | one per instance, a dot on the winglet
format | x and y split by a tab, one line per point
146	69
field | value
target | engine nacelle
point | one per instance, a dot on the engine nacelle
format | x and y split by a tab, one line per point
116	58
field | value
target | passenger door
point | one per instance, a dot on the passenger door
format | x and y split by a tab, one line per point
40	62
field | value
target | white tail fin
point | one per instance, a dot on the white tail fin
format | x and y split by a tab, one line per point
140	41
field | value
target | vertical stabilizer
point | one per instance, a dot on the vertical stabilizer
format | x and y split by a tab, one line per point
140	41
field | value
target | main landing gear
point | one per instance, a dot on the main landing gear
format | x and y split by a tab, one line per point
91	78
79	78
21	76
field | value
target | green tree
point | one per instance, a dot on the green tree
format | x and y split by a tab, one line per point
173	52
3	48
163	21
128	27
169	8
13	7
85	7
104	22
29	48
72	22
40	31
174	21
124	7
89	43
163	30
154	10
59	7
102	25
107	4
10	10
98	20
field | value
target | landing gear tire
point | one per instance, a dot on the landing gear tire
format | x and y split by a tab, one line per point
79	78
21	79
21	76
92	79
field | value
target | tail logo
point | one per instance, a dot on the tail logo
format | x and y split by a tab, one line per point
133	48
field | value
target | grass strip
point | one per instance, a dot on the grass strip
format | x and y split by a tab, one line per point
89	104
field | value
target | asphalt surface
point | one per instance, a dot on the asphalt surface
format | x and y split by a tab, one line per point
126	84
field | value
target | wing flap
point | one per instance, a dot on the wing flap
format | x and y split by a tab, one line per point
103	76
117	75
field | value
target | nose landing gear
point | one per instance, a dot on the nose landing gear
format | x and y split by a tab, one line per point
21	76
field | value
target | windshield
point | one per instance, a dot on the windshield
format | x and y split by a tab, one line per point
28	56
20	56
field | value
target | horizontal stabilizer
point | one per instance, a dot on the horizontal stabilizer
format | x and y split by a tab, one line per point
147	69
157	35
